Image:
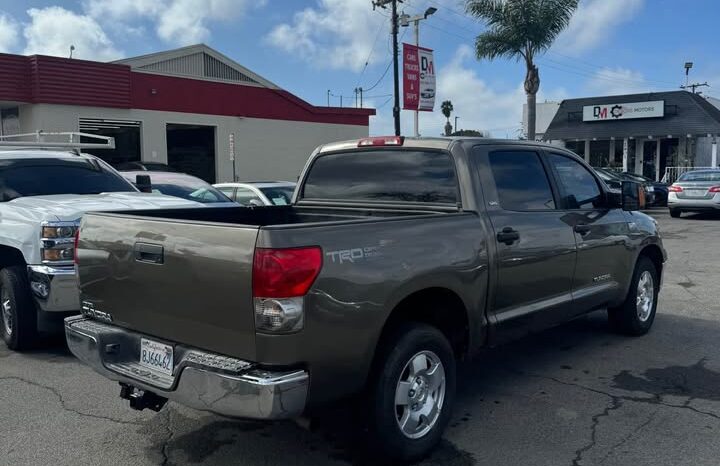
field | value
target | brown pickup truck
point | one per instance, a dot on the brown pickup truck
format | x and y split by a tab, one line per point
396	257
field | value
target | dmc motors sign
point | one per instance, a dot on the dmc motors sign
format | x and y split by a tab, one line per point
624	111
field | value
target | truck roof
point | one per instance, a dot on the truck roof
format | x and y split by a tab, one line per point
428	142
38	154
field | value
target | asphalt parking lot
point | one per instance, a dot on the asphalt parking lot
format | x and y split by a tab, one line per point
574	395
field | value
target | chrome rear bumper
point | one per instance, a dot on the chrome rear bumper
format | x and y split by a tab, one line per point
201	380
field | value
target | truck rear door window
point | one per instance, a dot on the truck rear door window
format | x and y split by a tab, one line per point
521	181
383	175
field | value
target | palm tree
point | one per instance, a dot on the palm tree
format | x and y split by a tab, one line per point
447	108
521	29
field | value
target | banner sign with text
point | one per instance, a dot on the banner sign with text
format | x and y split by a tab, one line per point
624	111
418	78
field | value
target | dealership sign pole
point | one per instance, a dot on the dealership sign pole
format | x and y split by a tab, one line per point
418	80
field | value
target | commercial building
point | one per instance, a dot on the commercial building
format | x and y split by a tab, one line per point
544	114
659	135
191	108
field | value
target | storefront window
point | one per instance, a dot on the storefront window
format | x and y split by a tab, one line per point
600	153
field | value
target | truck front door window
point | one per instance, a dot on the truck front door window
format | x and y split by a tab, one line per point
521	181
579	187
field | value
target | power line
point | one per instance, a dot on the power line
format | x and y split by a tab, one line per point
367	60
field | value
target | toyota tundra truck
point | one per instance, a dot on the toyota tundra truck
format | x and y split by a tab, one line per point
397	257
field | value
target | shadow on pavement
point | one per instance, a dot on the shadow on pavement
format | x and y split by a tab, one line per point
582	352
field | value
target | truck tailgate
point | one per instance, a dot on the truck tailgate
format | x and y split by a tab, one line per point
175	280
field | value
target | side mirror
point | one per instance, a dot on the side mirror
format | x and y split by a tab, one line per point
633	196
142	182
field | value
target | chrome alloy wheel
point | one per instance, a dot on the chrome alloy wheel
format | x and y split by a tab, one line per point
419	394
645	296
7	314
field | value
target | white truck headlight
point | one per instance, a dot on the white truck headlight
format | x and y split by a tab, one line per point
58	242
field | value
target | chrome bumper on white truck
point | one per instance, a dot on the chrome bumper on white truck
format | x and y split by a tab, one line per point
54	289
201	380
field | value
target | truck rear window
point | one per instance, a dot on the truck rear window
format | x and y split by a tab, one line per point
383	175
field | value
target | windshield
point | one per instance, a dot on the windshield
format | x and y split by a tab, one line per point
279	195
608	175
701	176
186	187
638	178
45	177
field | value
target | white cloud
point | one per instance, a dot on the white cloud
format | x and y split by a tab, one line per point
52	30
616	81
8	33
180	22
337	34
595	22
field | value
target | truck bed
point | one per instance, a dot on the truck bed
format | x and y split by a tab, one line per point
273	216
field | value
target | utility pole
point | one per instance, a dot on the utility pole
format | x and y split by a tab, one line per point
328	97
396	79
405	21
456	117
694	86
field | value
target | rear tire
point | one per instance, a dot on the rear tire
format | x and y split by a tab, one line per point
18	316
675	213
637	314
412	392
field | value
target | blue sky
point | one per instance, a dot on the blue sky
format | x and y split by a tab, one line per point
310	46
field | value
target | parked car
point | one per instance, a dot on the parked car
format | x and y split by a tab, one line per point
396	257
695	191
614	180
257	193
180	185
145	167
660	189
43	194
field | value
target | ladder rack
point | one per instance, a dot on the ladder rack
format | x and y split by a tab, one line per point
56	140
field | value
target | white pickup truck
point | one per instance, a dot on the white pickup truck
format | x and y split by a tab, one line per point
43	195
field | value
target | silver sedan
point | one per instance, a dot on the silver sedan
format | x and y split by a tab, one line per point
695	191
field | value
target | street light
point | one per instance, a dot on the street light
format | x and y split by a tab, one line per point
456	117
405	21
688	65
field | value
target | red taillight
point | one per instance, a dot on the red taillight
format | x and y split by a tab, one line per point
381	141
75	249
675	188
714	189
285	273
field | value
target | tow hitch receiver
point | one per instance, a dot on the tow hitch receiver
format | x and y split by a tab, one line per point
141	399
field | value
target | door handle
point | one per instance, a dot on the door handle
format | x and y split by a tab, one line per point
582	229
508	236
149	253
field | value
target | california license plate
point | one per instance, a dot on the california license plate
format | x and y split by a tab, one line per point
156	356
696	192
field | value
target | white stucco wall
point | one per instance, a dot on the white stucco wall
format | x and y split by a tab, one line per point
264	149
544	114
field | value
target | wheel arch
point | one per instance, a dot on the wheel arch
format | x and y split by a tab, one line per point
11	256
438	306
656	256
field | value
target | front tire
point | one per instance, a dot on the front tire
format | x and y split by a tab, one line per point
637	314
675	213
412	393
18	317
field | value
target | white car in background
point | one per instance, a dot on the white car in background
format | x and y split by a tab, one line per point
259	193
